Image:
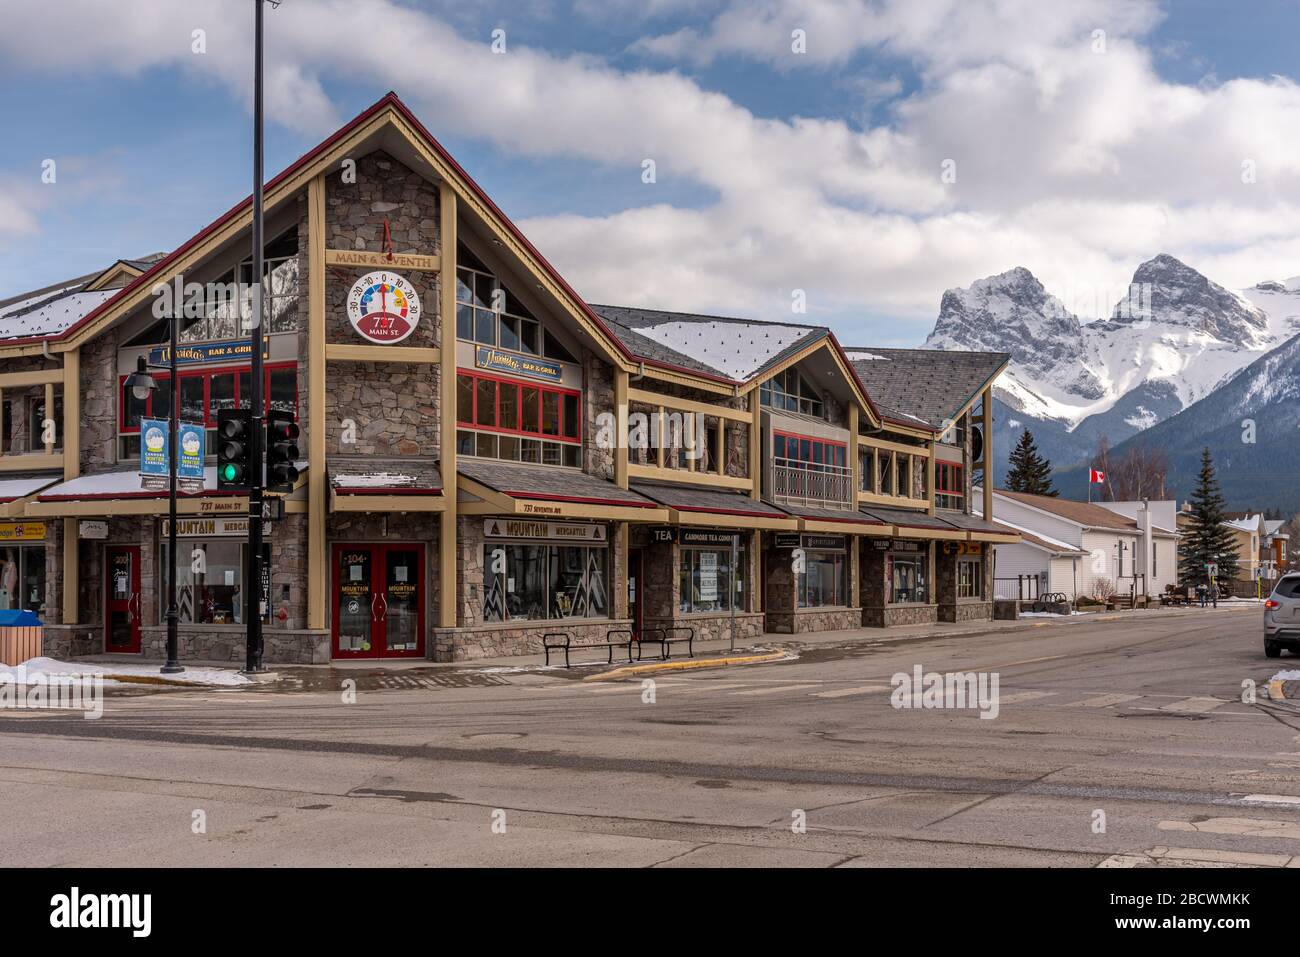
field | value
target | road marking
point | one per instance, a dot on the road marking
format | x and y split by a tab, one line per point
1027	661
698	686
1103	701
1194	705
1270	799
1024	696
776	689
1244	826
845	692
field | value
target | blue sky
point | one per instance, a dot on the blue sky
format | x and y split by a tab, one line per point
818	172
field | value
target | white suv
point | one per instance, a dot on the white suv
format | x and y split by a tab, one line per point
1282	617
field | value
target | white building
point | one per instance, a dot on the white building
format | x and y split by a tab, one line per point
1081	548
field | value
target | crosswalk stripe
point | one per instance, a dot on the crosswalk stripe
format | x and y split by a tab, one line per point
1024	696
776	689
1194	705
1103	701
845	692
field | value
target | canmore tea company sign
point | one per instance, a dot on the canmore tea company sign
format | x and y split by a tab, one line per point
383	307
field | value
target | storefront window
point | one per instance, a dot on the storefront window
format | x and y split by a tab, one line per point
906	577
824	582
970	578
22	578
209	581
706	583
536	582
496	414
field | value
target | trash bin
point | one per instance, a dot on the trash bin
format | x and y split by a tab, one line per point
21	637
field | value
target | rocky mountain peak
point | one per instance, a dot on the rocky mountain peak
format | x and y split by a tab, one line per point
1168	291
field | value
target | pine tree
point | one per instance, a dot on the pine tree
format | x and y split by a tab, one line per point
1030	472
1206	540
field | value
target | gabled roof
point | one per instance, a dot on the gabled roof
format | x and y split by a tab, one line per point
930	384
1039	540
1084	514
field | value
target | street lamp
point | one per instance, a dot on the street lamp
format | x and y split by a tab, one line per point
142	384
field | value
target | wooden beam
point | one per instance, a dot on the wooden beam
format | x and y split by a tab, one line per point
35	461
929	476
636	470
317	548
447	551
685	405
903	447
621	394
715	520
17	380
893	501
387	503
988	454
369	260
755	445
855	467
49	417
346	352
71	426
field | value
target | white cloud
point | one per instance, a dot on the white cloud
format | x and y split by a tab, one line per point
1073	163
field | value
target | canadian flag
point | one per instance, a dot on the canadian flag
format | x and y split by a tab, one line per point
1096	476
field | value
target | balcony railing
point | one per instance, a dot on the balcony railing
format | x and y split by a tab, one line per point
812	485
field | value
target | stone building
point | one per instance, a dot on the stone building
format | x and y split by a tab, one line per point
486	457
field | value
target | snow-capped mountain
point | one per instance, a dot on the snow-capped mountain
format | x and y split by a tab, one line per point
1171	341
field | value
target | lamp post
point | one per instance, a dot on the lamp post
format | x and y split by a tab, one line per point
141	384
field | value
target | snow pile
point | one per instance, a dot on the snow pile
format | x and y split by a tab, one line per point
122	673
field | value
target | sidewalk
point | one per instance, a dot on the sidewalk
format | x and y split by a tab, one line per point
415	673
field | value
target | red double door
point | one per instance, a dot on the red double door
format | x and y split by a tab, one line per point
379	601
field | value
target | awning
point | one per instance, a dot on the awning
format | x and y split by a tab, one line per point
119	493
15	491
365	484
912	524
839	521
489	487
724	508
978	530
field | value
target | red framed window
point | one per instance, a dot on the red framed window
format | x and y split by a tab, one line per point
498	404
808	452
206	392
949	485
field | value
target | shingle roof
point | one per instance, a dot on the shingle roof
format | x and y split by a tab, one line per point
736	348
972	523
908	518
930	384
835	515
1081	513
547	481
698	498
366	474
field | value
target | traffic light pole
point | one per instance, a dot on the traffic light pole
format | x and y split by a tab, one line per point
253	592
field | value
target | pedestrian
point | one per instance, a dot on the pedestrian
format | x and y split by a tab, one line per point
1200	593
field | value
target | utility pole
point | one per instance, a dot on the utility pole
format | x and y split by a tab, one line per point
253	591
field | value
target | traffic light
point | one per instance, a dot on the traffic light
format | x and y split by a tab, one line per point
234	450
281	451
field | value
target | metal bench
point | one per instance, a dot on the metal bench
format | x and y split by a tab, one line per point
562	639
665	638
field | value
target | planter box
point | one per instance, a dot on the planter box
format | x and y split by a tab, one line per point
21	637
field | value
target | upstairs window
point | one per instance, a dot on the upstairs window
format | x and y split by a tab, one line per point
487	313
789	391
519	421
809	453
949	486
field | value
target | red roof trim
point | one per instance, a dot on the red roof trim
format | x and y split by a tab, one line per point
589	500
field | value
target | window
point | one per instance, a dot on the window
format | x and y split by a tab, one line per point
543	581
824	580
214	594
487	405
949	486
906	578
203	395
489	314
789	391
705	580
36	423
970	578
22	578
809	453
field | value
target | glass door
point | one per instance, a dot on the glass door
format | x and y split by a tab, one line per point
379	601
122	611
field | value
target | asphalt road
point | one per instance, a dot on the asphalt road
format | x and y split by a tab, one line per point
1116	743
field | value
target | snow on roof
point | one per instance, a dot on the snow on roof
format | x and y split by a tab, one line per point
737	349
1248	524
50	314
857	355
11	489
122	484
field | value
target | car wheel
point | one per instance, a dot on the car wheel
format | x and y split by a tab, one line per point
1272	649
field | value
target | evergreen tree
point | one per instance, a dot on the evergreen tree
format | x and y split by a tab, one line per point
1030	472
1206	540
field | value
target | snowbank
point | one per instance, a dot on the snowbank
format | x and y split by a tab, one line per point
124	673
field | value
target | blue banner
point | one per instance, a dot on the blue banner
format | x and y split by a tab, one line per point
154	456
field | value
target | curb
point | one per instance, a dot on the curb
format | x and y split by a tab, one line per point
686	665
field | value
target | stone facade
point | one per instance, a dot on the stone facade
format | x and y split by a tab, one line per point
950	607
783	614
876	611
